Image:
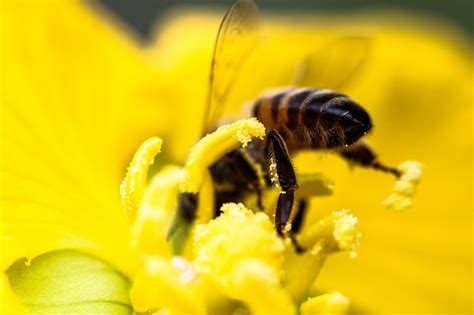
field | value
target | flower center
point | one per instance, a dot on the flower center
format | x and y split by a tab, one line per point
237	256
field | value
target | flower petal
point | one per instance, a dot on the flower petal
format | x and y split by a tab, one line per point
68	80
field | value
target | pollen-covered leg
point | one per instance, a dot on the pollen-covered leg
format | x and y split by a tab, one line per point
360	153
286	178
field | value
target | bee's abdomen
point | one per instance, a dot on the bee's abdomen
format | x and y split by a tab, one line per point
313	118
276	108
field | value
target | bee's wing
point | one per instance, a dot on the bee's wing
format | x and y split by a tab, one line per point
236	38
335	64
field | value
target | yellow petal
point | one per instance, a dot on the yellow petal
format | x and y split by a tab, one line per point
68	80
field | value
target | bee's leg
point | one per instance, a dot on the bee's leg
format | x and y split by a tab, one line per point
186	212
299	216
297	223
245	166
362	154
179	230
287	179
188	203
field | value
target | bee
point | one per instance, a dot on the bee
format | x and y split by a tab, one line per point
295	119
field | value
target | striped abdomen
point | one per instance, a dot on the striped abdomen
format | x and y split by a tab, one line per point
312	118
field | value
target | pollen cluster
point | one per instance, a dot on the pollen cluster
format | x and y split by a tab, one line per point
405	187
345	232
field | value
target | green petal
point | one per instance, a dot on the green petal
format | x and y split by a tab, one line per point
67	282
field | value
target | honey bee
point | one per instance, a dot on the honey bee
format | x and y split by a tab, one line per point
297	118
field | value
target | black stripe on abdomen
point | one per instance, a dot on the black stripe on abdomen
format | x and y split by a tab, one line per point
275	105
256	108
311	112
294	107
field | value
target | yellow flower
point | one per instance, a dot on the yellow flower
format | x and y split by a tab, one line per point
78	98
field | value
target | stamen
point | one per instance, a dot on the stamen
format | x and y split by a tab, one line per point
302	269
255	283
339	229
160	284
213	146
405	187
345	232
135	180
235	233
155	213
335	232
328	304
241	252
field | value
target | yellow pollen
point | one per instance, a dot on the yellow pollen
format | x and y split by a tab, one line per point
273	173
237	233
242	254
405	187
338	229
135	180
345	232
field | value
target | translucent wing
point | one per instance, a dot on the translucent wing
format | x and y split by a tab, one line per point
236	38
335	64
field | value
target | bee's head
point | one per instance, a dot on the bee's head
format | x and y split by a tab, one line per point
355	122
336	119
